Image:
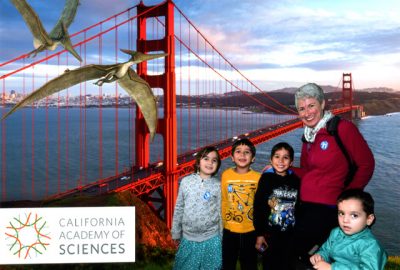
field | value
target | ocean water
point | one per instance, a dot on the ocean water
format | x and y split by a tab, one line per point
26	144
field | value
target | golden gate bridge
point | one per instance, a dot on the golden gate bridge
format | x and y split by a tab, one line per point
193	69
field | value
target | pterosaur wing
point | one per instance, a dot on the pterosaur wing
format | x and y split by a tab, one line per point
65	80
60	30
32	21
66	18
141	92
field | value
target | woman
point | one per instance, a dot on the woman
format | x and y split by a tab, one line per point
323	169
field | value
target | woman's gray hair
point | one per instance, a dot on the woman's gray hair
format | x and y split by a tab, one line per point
309	90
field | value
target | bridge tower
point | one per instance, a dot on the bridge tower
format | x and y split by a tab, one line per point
347	91
167	125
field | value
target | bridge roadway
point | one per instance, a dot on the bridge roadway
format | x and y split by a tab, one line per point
144	180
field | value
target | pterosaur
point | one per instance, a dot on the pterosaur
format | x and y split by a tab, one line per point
126	77
58	35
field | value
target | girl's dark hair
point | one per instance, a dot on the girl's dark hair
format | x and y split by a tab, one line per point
283	145
204	152
365	198
246	142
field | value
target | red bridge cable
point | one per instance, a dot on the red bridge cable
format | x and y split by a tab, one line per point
241	90
67	135
72	35
237	87
58	136
116	102
81	154
180	138
47	137
77	44
33	141
189	107
3	149
100	110
197	100
271	98
24	165
84	121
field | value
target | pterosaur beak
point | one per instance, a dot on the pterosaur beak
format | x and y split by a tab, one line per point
139	57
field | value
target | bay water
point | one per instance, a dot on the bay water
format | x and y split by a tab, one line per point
381	133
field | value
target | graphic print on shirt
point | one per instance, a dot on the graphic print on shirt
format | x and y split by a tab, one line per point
240	198
282	202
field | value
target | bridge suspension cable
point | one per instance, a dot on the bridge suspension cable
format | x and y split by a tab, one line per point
210	112
233	67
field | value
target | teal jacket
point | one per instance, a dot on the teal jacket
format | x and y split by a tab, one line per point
351	252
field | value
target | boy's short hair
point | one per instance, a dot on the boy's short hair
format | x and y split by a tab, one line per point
204	152
364	197
283	145
244	141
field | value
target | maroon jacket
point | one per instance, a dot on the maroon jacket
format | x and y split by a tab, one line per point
323	167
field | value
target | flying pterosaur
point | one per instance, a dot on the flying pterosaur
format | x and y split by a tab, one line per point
58	35
126	77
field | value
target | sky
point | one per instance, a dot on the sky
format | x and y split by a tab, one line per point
276	44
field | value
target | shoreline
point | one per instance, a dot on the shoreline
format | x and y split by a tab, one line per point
382	112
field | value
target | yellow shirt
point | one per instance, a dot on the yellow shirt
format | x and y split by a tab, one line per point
237	195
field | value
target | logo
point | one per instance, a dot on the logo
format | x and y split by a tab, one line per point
56	235
207	196
324	145
27	237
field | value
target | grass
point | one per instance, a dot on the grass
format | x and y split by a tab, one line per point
162	261
393	263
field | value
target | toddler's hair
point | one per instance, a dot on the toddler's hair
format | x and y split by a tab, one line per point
364	197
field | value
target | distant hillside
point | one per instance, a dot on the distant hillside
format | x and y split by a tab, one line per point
374	102
291	90
378	89
329	89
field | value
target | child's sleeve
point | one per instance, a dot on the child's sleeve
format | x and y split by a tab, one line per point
221	225
224	198
326	248
176	230
261	209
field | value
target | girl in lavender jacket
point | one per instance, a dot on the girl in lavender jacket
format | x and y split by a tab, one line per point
197	223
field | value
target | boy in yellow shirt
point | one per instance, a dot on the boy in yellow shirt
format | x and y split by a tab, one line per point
238	186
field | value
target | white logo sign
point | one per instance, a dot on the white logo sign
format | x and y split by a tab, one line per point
67	235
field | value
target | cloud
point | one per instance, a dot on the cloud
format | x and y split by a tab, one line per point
318	36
